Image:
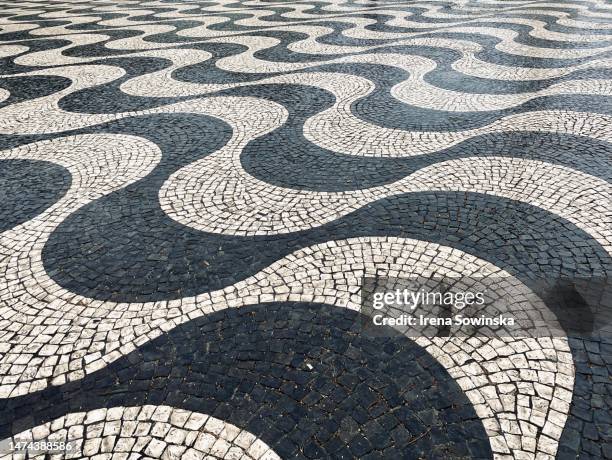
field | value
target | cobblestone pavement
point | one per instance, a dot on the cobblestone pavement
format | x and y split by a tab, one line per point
192	192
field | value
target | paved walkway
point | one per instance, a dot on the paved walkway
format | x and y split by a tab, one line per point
192	192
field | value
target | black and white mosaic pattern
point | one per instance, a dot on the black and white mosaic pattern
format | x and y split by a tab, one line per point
191	192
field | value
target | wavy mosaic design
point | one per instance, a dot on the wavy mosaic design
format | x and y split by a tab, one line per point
191	193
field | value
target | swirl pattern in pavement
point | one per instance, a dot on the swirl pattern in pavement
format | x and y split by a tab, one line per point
191	193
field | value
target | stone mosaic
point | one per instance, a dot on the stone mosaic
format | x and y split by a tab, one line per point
192	191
